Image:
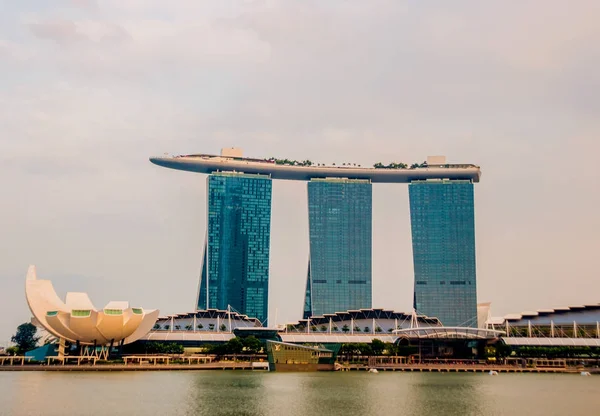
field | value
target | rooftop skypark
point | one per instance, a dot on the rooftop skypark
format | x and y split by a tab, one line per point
395	172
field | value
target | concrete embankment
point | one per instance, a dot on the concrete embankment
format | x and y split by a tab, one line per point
263	367
466	369
136	367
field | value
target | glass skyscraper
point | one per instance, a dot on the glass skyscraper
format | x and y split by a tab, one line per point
340	226
235	264
442	218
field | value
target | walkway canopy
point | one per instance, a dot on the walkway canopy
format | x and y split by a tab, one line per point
447	332
551	342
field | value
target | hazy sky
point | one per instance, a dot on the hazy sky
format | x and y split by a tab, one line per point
90	89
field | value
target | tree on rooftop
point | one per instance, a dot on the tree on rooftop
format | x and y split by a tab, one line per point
222	327
345	328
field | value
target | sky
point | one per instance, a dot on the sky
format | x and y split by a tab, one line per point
90	89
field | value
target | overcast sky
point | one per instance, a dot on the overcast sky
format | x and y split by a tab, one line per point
90	89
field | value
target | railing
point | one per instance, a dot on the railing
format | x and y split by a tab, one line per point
11	359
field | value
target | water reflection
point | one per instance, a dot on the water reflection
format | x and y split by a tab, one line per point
441	393
227	393
269	394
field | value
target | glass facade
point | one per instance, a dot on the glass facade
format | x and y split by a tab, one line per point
442	215
340	227
235	265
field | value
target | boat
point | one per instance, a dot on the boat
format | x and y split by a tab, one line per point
493	373
373	370
585	373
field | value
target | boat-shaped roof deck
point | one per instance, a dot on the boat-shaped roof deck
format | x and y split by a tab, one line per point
202	163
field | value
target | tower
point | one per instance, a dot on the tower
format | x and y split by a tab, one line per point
235	264
340	227
442	218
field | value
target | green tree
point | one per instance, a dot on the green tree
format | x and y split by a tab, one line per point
12	350
252	345
25	338
323	328
367	329
200	326
378	329
222	327
377	346
345	328
234	346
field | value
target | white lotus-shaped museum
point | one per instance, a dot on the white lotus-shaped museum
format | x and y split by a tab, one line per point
77	319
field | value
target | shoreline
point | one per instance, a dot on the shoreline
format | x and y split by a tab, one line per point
251	367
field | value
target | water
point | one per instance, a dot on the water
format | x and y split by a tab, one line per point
257	393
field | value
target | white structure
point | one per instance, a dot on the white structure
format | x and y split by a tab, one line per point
77	320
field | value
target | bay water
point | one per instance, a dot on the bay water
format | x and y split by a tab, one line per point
323	393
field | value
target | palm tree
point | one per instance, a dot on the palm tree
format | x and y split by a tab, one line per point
200	326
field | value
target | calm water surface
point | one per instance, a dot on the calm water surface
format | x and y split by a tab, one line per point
257	393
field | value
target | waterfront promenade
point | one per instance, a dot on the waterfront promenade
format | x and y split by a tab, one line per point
261	365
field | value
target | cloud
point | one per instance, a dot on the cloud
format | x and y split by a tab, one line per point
60	31
90	92
85	4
